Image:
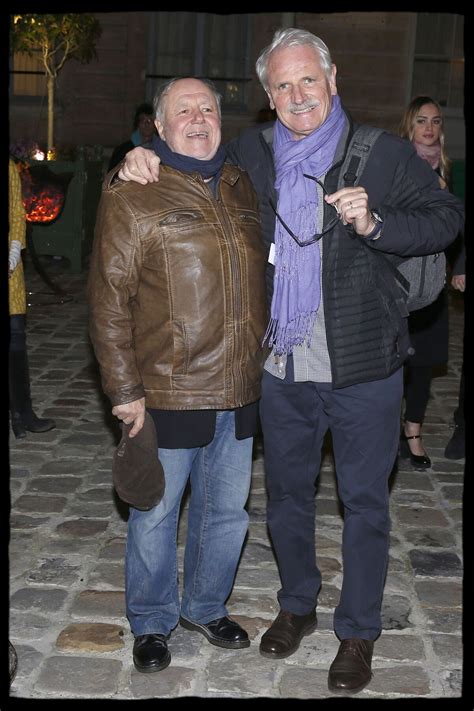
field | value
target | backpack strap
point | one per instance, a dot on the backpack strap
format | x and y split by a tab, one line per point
360	147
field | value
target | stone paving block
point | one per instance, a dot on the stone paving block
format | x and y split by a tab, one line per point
54	570
81	527
185	645
99	603
396	612
110	576
441	620
63	467
66	546
113	550
40	504
20	473
87	440
97	510
28	460
26	522
41	599
414	498
79	677
399	648
316	649
91	637
29	626
54	484
304	683
451	681
328	507
412	480
448	648
453	493
430	538
29	660
257	553
424	517
239	671
405	680
173	681
258	578
248	602
435	593
456	515
435	563
95	496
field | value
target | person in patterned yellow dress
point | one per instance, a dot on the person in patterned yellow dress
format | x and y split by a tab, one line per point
21	410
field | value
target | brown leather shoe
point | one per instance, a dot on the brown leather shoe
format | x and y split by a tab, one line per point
284	636
351	669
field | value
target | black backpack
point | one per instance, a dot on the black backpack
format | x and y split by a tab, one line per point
421	279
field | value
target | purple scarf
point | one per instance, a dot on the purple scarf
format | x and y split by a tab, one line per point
430	153
296	287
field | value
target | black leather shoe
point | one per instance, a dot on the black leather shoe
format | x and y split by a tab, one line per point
351	669
284	636
223	632
419	461
150	653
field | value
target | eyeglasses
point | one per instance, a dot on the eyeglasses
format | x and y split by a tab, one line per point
317	236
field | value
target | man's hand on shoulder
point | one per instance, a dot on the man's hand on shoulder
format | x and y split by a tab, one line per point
141	165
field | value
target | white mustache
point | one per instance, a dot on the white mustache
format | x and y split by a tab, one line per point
303	107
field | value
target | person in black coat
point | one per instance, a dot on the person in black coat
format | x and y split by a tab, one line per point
422	124
144	132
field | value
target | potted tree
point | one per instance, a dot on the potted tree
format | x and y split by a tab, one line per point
59	39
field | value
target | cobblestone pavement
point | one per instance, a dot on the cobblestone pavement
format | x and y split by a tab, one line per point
68	528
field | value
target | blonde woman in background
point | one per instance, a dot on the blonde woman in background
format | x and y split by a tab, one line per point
422	124
22	416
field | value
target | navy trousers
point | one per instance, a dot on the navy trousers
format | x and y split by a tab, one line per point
364	421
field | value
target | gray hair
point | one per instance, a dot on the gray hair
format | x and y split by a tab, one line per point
290	37
163	90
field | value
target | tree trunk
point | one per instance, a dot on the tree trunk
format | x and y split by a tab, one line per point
50	84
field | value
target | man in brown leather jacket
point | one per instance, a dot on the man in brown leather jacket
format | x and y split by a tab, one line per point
177	317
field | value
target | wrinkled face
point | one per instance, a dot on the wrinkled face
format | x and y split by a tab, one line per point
299	89
191	123
428	125
146	126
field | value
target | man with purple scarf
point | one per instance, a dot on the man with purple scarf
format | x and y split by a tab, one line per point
338	334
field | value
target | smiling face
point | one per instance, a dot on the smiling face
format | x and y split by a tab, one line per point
428	125
299	89
191	122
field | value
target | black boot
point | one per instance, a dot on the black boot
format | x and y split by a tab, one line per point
17	425
21	409
33	423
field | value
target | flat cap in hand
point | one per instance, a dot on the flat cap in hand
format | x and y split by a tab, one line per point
137	472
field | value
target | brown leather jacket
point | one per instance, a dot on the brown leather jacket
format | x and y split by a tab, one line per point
176	292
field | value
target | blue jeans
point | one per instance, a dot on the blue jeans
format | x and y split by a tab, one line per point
219	474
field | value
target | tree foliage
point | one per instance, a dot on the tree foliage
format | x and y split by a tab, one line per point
53	40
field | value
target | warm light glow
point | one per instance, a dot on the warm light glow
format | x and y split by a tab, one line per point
37	154
43	204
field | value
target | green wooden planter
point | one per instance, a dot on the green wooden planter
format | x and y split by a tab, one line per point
71	234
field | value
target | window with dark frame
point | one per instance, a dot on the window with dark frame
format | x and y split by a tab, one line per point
202	44
438	67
